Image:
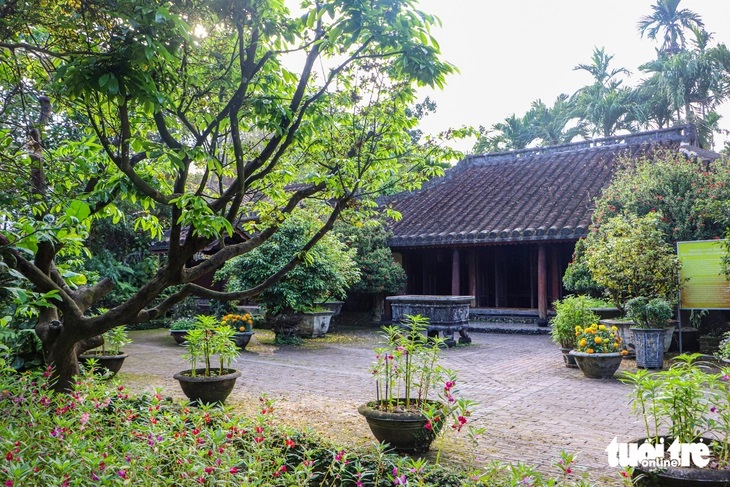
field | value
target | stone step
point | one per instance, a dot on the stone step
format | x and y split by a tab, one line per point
516	328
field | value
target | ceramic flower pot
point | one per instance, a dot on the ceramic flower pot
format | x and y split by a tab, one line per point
597	365
568	358
179	336
213	389
649	345
105	362
241	338
680	476
404	431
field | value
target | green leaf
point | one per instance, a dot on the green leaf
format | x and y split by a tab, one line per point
78	209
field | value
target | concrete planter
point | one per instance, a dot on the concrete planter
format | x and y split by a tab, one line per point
241	338
404	431
213	389
568	358
314	324
624	331
597	365
105	362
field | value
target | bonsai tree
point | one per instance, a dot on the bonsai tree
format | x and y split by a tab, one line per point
629	256
571	312
197	111
328	270
647	313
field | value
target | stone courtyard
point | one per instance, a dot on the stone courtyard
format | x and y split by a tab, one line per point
531	404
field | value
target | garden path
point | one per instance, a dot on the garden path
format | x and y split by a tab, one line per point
531	404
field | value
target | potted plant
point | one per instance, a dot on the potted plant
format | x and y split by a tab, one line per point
109	357
598	350
242	326
415	395
203	383
650	320
570	312
689	404
179	329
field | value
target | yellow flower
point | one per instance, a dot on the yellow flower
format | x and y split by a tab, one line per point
614	329
590	350
583	342
241	328
598	340
624	352
250	321
602	327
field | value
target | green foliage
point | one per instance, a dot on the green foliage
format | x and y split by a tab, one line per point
629	257
137	440
192	119
379	272
685	401
326	271
577	278
691	199
207	339
408	376
570	312
183	324
647	313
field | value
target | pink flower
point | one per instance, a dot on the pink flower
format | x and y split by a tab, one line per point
233	470
84	419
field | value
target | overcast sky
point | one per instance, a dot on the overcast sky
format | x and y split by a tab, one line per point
511	52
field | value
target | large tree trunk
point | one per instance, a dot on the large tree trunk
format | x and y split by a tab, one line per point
61	348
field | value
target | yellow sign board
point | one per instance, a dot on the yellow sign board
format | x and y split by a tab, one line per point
705	286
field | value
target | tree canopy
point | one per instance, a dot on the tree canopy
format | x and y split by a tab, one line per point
191	119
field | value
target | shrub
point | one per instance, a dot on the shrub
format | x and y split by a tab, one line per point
689	197
326	271
629	257
101	435
572	311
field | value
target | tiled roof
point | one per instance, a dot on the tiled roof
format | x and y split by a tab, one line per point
528	195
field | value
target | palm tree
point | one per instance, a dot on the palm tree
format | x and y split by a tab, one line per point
551	124
671	21
693	82
605	106
600	70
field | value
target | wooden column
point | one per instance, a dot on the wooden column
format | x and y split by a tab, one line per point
542	296
455	273
533	274
473	276
555	275
497	277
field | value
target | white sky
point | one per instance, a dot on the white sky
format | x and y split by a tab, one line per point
511	52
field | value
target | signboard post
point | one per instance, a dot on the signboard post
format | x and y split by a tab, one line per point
704	284
707	287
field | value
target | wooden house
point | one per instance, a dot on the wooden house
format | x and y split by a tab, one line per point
502	227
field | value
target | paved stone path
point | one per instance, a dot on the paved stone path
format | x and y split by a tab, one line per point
531	404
